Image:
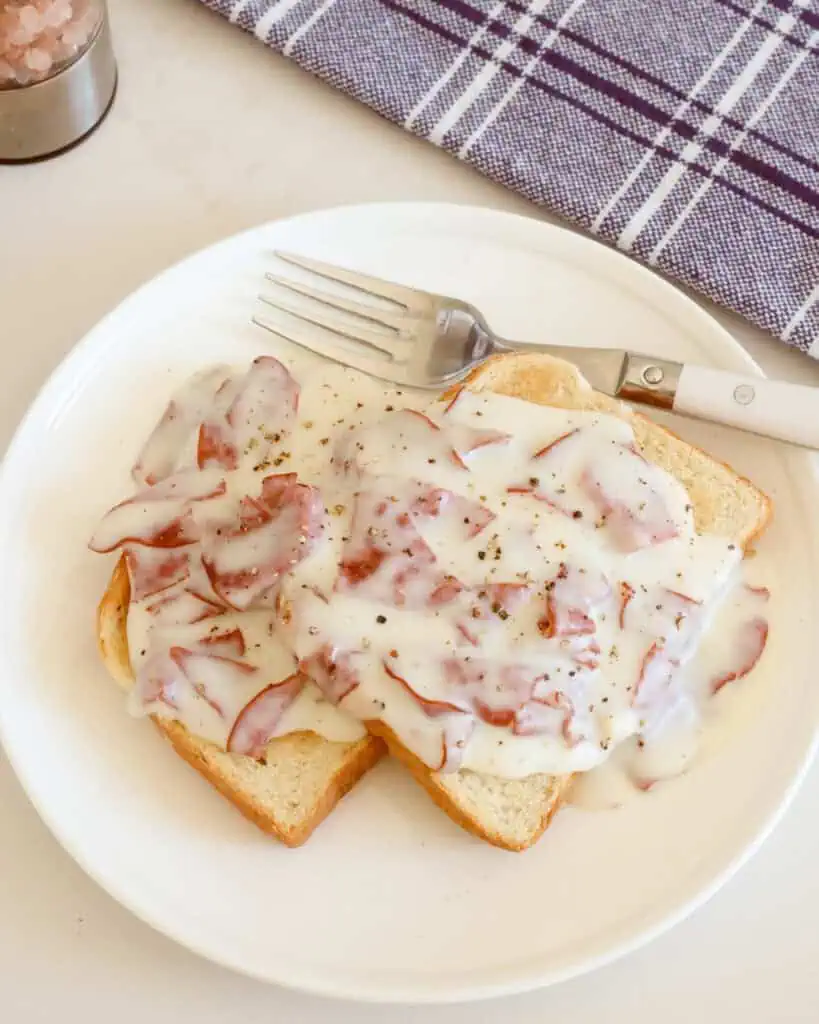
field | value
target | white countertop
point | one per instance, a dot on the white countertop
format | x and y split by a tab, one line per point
211	134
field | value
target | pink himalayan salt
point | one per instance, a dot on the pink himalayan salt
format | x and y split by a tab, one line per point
38	37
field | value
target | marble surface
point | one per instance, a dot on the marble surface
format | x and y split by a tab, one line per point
211	134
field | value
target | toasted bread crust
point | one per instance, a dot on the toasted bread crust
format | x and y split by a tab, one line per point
554	793
208	761
216	765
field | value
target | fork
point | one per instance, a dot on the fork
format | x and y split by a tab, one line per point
424	340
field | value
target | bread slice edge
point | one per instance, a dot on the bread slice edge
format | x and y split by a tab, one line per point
305	775
515	812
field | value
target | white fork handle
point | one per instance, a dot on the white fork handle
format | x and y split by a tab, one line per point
788	412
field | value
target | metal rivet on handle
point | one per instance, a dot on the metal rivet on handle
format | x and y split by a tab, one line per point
744	394
653	375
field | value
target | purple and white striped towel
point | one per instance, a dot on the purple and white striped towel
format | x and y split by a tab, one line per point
686	132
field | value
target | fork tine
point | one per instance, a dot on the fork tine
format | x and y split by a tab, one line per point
384	369
376	340
393	321
410	298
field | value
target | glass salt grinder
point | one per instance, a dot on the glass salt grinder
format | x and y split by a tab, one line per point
57	75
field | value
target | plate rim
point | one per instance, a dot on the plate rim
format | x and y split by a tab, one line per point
523	979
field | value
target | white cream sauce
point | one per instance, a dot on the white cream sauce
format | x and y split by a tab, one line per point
678	583
580	521
270	659
221	690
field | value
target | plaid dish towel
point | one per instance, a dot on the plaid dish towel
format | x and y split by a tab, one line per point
685	132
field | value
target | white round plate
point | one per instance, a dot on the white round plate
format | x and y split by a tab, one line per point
389	900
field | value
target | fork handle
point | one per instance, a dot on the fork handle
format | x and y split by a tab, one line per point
774	408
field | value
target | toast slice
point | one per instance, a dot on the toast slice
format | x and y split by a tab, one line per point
304	775
514	813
